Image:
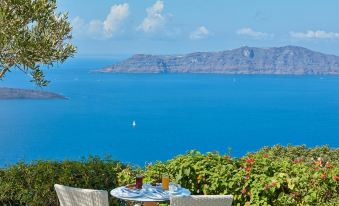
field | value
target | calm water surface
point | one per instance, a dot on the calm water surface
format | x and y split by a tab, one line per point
173	113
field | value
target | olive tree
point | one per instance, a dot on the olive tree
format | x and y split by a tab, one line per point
32	35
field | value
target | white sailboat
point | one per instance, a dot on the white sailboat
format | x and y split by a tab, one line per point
134	124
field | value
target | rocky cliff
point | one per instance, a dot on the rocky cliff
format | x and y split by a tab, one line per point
244	60
13	93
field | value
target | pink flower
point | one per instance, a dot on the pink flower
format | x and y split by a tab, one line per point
335	178
267	186
274	183
250	160
243	192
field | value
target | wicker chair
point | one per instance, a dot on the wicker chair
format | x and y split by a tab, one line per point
70	196
202	200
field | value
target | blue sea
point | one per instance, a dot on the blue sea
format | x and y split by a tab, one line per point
174	113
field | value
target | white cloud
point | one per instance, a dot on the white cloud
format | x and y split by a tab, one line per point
95	28
102	29
200	33
155	18
250	32
115	17
314	35
77	24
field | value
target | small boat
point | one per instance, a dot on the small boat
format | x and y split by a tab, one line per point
134	124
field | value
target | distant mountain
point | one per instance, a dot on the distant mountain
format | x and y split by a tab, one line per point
12	93
244	60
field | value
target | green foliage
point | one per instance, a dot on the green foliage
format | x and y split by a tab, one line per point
292	175
33	184
32	34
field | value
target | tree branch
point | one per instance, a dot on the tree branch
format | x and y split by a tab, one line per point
3	71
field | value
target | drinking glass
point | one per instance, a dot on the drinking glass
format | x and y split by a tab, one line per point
138	182
165	182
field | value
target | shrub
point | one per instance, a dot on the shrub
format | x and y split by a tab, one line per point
33	184
291	175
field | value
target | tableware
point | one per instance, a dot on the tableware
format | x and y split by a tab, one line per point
158	185
165	182
138	181
173	187
147	185
175	193
124	192
131	186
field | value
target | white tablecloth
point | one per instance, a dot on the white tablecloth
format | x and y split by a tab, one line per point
151	194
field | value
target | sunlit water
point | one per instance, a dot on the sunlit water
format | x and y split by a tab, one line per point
173	113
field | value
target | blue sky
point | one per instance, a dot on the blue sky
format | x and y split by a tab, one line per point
109	27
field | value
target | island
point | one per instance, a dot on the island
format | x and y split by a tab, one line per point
245	60
14	93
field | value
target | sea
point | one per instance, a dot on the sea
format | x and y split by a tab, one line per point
173	113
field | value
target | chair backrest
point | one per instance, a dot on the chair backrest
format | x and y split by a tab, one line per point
70	196
202	200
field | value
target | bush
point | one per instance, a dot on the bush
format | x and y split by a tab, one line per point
33	184
292	175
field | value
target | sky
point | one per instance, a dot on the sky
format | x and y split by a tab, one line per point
126	27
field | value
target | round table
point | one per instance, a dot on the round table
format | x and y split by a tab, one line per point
144	198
